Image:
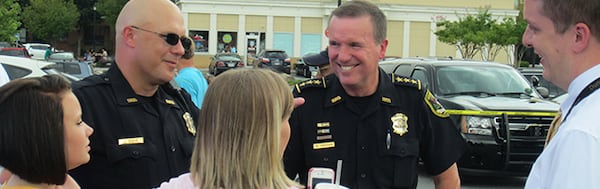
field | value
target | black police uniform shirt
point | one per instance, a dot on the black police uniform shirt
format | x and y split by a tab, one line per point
138	142
379	142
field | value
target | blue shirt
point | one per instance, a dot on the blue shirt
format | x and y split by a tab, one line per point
193	81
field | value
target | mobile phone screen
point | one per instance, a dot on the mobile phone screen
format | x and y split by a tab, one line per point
316	181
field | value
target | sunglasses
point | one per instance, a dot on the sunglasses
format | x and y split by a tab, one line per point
171	38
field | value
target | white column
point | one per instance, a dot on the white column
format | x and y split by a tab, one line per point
432	39
406	40
297	36
241	35
269	33
213	35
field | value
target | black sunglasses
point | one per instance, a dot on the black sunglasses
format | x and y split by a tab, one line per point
170	38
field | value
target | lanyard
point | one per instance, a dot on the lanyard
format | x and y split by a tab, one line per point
586	92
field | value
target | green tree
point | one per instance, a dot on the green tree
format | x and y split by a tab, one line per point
9	20
468	34
110	9
50	20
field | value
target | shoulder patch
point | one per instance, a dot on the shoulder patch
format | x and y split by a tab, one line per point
435	106
311	83
406	81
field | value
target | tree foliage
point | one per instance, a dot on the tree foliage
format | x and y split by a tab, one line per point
110	9
9	19
481	33
50	20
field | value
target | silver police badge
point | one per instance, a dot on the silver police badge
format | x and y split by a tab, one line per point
400	124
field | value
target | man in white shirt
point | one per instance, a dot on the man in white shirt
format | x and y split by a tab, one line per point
565	35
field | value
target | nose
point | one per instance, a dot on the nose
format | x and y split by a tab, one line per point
88	130
178	49
526	40
343	54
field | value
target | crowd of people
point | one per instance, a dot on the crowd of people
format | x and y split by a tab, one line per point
152	120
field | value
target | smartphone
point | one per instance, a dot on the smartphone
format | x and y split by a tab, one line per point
319	175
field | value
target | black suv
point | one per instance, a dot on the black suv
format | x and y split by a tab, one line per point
499	113
276	60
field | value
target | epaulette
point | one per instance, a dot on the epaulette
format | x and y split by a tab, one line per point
311	83
406	81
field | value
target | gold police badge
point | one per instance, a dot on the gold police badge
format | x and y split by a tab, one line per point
189	123
400	124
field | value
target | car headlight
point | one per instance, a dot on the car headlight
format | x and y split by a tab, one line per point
477	125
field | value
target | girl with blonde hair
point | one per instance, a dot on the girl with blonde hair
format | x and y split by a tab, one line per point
242	133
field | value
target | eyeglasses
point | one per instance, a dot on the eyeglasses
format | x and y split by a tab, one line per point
170	38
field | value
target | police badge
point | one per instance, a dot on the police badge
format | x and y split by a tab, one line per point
400	124
189	123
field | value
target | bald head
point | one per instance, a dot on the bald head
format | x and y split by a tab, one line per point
146	12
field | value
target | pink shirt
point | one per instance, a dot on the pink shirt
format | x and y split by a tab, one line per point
184	181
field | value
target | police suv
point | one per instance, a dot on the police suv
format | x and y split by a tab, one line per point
498	112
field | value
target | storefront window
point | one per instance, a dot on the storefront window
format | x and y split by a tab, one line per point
227	42
200	39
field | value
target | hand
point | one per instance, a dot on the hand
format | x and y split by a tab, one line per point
298	101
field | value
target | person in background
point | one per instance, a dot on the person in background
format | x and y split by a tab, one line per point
144	126
566	34
48	53
321	60
42	134
240	142
189	77
377	126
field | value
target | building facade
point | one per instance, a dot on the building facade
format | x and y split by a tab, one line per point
297	26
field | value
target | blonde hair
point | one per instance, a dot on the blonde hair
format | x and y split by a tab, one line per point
239	133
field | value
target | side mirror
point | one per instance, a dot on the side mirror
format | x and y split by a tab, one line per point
535	81
543	91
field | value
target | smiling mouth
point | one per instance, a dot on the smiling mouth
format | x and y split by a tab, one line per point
346	68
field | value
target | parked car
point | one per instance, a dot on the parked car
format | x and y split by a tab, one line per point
65	62
500	115
304	70
19	67
224	61
15	51
276	60
36	50
535	76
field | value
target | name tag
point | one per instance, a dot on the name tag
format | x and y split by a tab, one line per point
323	145
134	140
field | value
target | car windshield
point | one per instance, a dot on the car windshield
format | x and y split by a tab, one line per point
482	81
62	56
229	57
14	52
275	54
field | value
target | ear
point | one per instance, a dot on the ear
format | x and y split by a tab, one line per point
383	48
582	37
128	36
327	32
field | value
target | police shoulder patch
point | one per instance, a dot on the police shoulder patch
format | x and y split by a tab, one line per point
406	81
435	106
311	83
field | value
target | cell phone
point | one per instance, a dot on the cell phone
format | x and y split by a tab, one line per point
319	175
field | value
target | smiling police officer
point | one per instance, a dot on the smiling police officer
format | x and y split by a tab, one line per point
378	125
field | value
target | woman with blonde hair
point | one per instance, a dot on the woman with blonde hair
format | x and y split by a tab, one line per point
242	133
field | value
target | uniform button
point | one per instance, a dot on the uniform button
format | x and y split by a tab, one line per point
363	147
135	153
325	159
172	148
363	175
402	151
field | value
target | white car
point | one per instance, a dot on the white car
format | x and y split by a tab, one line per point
18	67
36	50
